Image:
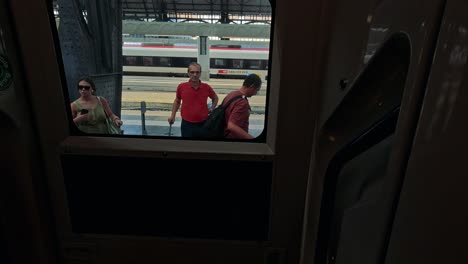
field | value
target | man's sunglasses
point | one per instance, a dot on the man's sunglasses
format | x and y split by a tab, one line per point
81	87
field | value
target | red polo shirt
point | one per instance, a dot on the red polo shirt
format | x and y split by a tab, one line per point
194	101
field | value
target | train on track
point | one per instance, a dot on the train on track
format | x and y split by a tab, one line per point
226	61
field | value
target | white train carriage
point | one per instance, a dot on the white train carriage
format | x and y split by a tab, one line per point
225	62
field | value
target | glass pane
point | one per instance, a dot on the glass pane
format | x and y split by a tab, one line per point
138	76
148	61
130	60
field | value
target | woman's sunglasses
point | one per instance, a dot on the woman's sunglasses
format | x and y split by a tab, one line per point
81	87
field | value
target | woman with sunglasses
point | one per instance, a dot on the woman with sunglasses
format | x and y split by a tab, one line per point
89	111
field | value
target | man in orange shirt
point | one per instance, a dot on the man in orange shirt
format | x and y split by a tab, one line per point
238	112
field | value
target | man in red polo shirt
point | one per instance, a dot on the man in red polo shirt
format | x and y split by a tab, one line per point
193	95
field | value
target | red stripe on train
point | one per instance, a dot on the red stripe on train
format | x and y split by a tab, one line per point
192	47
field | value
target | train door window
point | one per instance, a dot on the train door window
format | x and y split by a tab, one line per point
148	61
237	64
220	63
360	190
130	60
255	64
113	53
165	62
182	62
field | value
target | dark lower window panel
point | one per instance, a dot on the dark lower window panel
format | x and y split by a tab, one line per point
208	199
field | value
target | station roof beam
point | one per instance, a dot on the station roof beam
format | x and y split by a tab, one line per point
218	11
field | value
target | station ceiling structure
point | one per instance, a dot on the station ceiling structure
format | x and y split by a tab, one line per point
226	19
209	11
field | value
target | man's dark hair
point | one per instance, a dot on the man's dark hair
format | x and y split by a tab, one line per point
252	79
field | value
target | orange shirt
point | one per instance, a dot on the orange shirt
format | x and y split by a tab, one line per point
237	112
